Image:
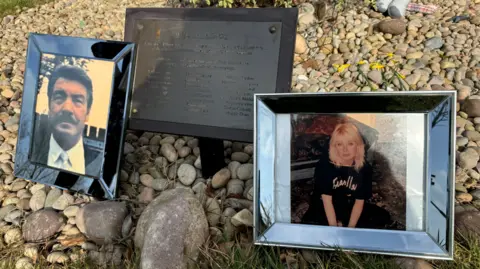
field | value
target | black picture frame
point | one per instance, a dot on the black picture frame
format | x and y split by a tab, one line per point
287	17
122	55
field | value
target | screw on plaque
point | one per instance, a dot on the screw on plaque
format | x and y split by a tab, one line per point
272	29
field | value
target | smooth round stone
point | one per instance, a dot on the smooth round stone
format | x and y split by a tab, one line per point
233	166
245	171
186	174
463	114
464	197
460	188
146	180
235	186
240	157
160	184
468	159
221	178
462	141
469	128
24	263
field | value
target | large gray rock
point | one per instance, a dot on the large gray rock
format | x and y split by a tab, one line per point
42	225
102	221
171	230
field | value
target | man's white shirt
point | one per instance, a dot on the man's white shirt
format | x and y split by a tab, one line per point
74	159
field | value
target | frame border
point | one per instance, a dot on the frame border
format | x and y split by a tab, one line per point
39	44
449	95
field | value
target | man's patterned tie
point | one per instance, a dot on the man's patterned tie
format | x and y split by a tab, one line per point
64	161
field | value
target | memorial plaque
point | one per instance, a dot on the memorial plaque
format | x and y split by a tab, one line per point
198	69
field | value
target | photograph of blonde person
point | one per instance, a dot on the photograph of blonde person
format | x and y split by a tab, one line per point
342	184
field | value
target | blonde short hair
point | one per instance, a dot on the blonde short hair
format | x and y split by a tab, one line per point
348	130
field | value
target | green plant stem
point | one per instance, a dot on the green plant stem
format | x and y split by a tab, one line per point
366	78
399	77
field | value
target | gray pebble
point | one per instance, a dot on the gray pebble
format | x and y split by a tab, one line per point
235	186
186	174
245	171
462	141
241	157
468	159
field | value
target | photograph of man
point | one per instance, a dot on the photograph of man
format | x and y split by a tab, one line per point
60	143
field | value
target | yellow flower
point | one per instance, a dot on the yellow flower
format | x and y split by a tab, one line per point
390	55
362	62
341	68
376	66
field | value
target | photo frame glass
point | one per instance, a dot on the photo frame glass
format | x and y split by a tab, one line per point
75	103
371	143
375	176
71	113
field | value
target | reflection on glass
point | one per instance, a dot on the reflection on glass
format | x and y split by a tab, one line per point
417	145
72	109
265	168
78	103
370	240
439	125
332	169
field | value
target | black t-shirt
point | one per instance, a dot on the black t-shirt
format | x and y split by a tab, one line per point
344	184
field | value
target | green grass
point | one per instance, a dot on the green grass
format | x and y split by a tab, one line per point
467	253
9	7
243	255
275	257
10	254
467	256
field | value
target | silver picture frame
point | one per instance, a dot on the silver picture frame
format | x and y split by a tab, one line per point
430	150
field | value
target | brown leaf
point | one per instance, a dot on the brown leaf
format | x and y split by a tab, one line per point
233	195
209	191
312	63
74	240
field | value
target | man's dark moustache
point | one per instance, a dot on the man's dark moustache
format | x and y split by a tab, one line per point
65	118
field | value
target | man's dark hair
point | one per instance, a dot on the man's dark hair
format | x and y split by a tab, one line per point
70	72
